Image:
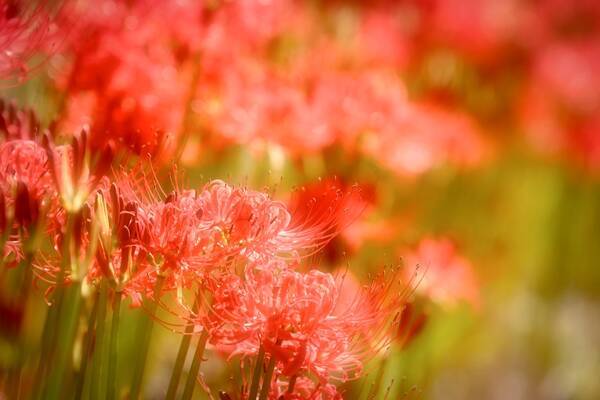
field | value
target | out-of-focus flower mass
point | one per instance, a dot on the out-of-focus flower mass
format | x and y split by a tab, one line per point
29	30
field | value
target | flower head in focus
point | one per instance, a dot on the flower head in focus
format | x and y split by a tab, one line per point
301	321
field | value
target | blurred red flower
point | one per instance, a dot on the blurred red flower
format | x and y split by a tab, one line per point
441	273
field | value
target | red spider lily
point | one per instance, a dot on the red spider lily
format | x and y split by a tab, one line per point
234	29
300	321
243	221
229	221
26	185
124	84
23	160
327	208
252	102
559	115
105	234
445	276
25	178
77	170
119	232
17	123
384	37
129	111
480	29
324	98
106	246
27	30
183	237
131	71
424	137
192	229
351	206
67	263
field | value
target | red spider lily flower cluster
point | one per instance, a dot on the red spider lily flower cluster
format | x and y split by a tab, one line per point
123	82
237	248
299	84
307	323
186	234
297	318
39	177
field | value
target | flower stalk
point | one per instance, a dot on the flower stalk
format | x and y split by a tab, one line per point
181	356
145	334
87	348
266	385
195	367
98	387
112	353
258	367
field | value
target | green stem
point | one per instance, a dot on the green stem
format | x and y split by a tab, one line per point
256	374
97	389
112	353
190	384
66	338
178	367
48	334
378	379
266	385
14	376
86	348
292	383
145	334
181	356
53	323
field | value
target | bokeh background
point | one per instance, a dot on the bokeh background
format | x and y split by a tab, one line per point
472	128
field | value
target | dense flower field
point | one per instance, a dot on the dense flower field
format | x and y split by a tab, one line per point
299	199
